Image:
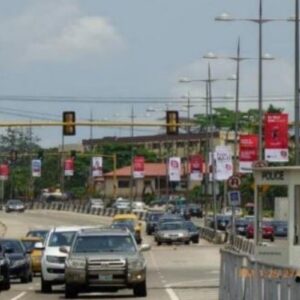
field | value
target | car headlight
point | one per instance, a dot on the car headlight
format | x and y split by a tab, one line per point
180	234
76	263
53	259
2	262
136	264
19	262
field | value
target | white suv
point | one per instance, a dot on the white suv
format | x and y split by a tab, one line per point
53	261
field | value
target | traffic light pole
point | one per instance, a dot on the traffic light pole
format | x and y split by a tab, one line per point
62	175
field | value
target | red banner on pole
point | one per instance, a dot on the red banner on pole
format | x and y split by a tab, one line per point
69	167
4	171
196	163
276	137
138	167
248	152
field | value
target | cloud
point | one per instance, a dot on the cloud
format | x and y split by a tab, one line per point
278	84
56	31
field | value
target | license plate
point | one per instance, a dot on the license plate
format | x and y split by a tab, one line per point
105	277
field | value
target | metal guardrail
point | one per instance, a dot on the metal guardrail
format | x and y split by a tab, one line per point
242	278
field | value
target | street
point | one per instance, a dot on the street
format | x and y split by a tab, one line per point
177	272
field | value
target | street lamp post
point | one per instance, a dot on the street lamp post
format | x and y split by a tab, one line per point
237	59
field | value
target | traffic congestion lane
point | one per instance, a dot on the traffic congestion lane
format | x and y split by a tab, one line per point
174	272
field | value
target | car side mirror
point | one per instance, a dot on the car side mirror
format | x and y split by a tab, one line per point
39	246
64	249
145	247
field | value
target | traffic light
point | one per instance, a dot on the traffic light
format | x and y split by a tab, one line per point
69	119
73	154
40	154
172	120
13	155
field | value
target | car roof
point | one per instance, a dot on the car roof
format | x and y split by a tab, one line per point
66	228
103	232
125	216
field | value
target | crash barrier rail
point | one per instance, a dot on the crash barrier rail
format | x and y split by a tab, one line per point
206	233
243	278
239	243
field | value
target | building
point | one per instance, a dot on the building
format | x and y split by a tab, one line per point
155	182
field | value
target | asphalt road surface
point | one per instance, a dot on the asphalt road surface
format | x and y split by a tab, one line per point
181	272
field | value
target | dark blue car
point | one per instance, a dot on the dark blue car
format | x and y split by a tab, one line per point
280	228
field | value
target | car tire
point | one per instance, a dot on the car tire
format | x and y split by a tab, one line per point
6	285
158	243
187	242
196	241
272	238
46	286
70	291
140	290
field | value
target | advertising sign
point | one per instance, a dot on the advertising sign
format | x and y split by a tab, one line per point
276	137
97	170
223	161
69	167
248	152
36	167
174	168
196	163
138	167
4	171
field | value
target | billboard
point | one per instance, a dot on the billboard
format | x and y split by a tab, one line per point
248	152
138	167
4	172
36	167
69	167
276	137
174	169
97	169
196	163
223	162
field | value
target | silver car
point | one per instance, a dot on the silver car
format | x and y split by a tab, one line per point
171	232
104	260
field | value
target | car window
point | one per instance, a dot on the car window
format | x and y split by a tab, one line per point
14	246
58	239
154	217
96	244
29	245
40	234
171	226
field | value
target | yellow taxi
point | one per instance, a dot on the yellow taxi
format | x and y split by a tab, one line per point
131	222
35	254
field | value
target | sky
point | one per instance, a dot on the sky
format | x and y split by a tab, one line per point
67	51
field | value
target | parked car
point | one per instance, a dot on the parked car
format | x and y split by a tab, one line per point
132	218
280	228
171	232
19	259
267	231
228	211
53	260
35	254
122	204
241	226
14	205
222	222
138	207
152	219
193	231
104	260
4	270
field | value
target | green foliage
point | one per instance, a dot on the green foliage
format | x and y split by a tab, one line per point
195	194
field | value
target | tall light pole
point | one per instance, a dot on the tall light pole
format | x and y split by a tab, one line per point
297	110
237	59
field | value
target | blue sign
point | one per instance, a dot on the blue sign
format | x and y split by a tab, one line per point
234	198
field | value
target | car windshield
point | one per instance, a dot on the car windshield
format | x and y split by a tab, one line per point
29	245
58	239
14	202
190	226
98	244
12	245
171	226
129	225
154	217
38	233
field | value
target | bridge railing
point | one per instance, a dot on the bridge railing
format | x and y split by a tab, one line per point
243	278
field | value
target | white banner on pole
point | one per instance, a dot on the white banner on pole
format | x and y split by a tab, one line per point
174	168
97	170
223	159
36	167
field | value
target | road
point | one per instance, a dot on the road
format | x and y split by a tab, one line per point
181	272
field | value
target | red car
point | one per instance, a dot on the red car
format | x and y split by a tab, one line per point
268	231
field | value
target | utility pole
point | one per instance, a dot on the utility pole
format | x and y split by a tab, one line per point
131	158
91	127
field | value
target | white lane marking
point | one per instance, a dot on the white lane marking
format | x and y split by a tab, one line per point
19	296
171	293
